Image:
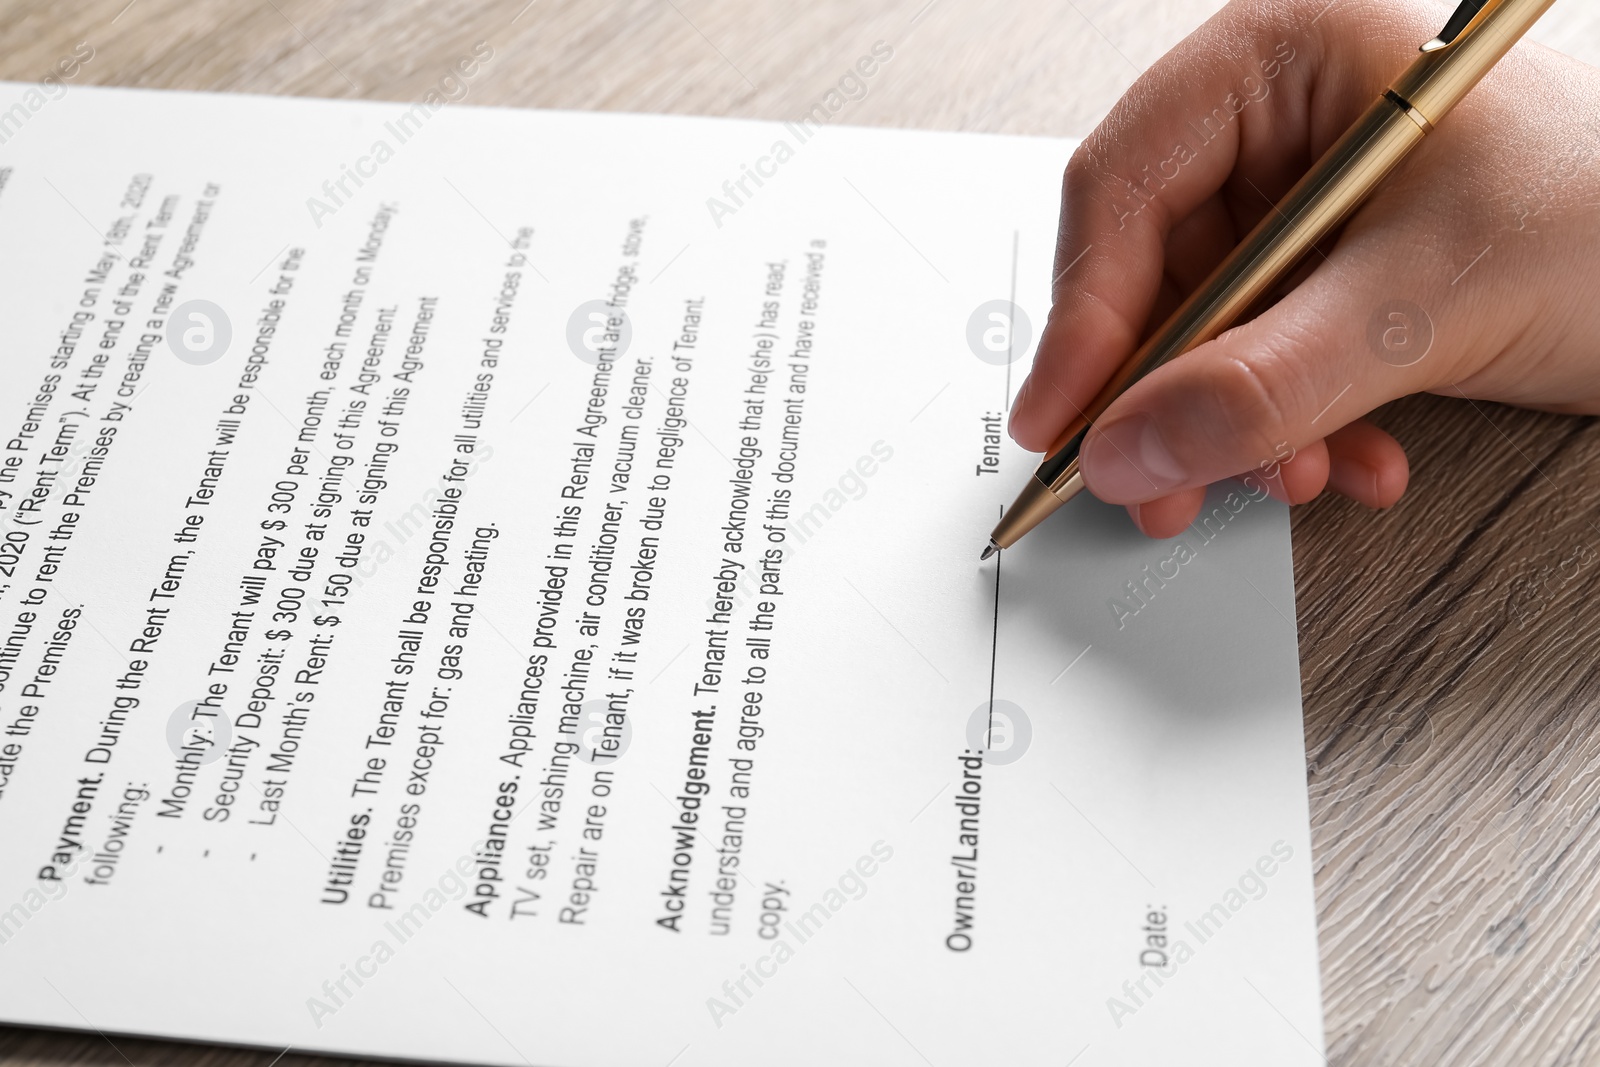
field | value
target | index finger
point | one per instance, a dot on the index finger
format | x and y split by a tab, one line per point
1191	157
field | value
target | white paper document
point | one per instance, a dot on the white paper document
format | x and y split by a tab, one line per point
502	587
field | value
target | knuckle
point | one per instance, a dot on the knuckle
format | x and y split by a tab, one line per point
1258	396
1086	177
1079	164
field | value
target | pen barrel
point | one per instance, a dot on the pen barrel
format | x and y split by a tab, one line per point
1339	182
1448	69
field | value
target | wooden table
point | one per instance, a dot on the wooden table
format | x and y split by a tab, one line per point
1452	685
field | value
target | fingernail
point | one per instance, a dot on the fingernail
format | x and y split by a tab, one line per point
1018	402
1353	480
1128	461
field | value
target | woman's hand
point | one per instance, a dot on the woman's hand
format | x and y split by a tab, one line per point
1474	271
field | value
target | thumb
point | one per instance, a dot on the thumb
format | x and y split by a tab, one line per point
1341	344
1184	165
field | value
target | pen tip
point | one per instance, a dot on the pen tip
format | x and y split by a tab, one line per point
988	550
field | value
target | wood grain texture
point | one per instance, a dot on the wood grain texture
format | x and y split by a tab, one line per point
1452	685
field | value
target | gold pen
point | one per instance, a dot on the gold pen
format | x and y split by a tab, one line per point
1472	42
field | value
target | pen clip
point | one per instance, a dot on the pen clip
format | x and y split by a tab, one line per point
1469	10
